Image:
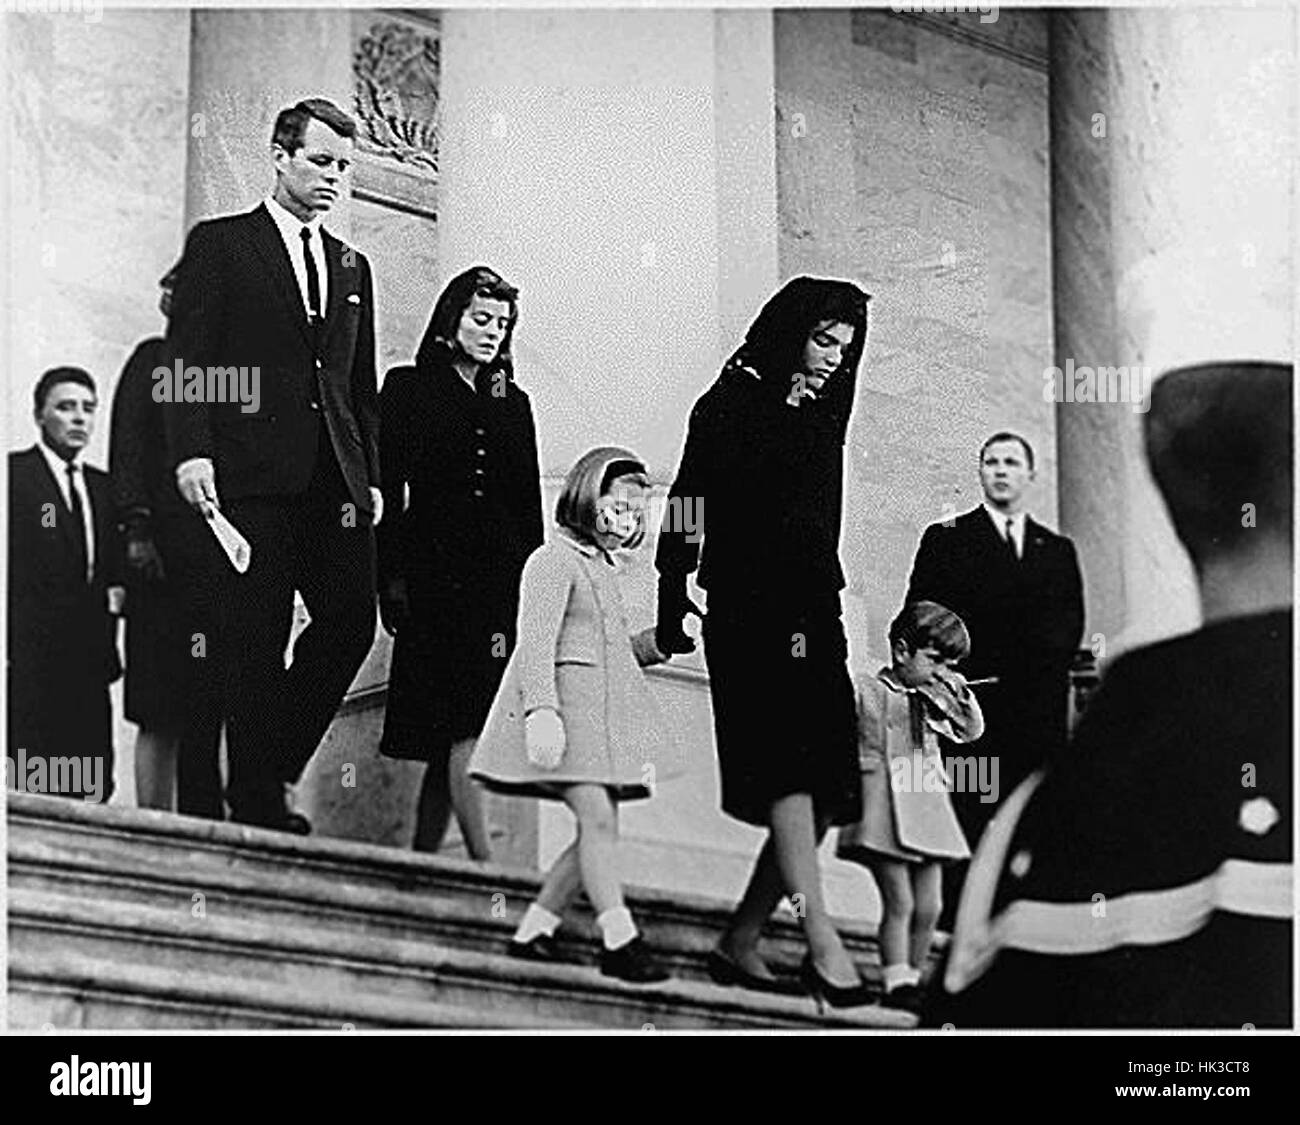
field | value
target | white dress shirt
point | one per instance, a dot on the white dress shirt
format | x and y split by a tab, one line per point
290	228
1017	528
59	467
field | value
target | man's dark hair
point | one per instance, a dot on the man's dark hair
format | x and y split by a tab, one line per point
1219	436
1007	435
56	375
291	123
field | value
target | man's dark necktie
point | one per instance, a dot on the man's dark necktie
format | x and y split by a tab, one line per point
313	278
1011	541
78	522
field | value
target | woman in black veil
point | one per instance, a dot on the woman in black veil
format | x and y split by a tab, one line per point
761	478
458	460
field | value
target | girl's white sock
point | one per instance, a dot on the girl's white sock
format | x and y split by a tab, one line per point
537	922
895	976
616	927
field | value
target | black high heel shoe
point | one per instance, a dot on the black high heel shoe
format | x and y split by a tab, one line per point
725	971
834	995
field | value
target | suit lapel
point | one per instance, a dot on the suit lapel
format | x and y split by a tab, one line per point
269	244
102	515
994	546
334	298
1033	543
341	285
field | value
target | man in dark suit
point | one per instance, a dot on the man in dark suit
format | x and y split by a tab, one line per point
64	569
1017	587
293	463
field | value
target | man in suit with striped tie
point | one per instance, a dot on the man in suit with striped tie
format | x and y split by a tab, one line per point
272	291
64	570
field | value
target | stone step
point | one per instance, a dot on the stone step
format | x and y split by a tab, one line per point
349	889
56	942
57	989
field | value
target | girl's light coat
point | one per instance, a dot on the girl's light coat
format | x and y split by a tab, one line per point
574	652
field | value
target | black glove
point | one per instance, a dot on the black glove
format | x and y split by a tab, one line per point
142	555
674	605
394	605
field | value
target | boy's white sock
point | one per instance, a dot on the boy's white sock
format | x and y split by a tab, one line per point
537	922
895	976
616	927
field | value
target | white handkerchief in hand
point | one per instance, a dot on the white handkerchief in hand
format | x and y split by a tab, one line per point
235	545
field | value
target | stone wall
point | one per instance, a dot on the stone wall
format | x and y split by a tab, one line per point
912	158
97	130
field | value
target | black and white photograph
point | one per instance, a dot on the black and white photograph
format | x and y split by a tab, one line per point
645	519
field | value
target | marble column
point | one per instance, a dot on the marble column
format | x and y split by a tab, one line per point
1172	177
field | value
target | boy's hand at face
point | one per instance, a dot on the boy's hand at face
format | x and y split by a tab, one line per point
951	679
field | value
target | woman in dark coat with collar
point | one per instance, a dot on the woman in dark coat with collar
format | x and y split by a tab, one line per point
458	458
762	472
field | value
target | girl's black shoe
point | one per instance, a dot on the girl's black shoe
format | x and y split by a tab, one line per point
633	963
725	971
541	948
834	995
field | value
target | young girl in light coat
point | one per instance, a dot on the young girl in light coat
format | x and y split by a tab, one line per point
574	719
